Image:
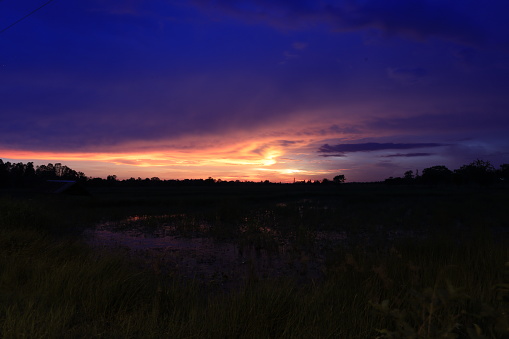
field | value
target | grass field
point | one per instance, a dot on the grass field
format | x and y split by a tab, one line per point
453	283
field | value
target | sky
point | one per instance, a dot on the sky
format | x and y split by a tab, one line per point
254	90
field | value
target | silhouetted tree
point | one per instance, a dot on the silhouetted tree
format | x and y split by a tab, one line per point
210	180
18	173
30	170
111	178
409	175
479	171
503	172
46	172
338	179
82	177
29	176
59	171
66	173
395	181
436	175
4	174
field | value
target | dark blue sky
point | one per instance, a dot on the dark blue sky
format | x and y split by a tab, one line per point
254	89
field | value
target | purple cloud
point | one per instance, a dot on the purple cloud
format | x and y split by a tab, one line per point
416	19
407	75
492	119
407	155
339	150
333	155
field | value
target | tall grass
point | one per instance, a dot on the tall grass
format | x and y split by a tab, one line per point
55	286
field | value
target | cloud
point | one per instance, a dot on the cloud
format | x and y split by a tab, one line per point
333	155
60	115
341	149
464	57
289	55
407	75
490	119
407	155
287	143
333	129
417	19
298	45
119	7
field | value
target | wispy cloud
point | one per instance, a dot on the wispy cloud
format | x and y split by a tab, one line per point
418	19
491	119
407	155
299	45
407	75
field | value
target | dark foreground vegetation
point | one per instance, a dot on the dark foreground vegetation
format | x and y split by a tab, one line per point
451	283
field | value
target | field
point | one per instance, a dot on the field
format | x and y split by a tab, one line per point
305	261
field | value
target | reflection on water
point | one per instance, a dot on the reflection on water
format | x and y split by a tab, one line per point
137	240
157	241
203	258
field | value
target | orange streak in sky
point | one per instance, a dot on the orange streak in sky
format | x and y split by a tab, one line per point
273	153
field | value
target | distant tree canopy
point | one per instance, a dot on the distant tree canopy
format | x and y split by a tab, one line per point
478	172
26	175
504	172
436	175
339	179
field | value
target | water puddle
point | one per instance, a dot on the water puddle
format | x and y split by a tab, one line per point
225	263
263	254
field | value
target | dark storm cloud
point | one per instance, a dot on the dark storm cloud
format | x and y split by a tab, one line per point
370	146
418	19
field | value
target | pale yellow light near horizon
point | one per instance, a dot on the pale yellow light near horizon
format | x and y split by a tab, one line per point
273	152
242	158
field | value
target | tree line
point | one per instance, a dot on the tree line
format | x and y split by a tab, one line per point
478	172
27	175
156	181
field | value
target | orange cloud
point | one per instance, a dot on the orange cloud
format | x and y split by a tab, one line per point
276	153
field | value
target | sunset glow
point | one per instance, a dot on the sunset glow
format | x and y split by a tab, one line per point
258	90
249	160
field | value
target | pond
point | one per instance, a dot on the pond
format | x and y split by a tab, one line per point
259	254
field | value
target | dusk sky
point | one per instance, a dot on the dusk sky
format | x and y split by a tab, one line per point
254	90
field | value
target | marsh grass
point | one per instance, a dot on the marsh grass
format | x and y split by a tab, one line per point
451	283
